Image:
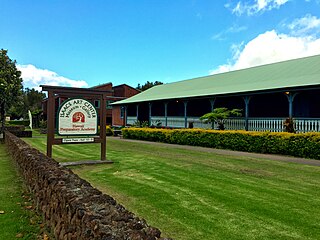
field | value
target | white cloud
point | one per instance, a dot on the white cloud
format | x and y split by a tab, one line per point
270	47
233	29
302	39
255	7
33	77
307	25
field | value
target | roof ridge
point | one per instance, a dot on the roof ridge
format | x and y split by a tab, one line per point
244	69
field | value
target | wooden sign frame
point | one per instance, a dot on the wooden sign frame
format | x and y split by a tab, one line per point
70	92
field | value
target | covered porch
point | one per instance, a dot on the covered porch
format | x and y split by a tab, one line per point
260	111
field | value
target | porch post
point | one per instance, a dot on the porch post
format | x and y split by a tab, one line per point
125	115
166	113
290	97
103	118
212	103
137	112
185	103
246	102
150	109
50	122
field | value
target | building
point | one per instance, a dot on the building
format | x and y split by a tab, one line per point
267	94
120	92
115	93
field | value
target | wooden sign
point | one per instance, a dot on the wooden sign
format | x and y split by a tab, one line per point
76	116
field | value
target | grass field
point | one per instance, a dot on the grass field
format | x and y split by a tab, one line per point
198	195
16	218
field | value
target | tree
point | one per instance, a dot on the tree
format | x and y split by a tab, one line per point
219	116
148	85
30	99
10	84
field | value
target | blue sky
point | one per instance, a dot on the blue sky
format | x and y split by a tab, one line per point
84	43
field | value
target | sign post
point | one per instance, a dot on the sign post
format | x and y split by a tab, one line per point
75	117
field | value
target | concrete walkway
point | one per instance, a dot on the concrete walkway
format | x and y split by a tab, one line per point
274	157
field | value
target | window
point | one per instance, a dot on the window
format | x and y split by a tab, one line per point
122	112
97	103
109	106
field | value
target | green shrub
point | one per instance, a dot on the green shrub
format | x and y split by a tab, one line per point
43	124
18	122
109	131
305	145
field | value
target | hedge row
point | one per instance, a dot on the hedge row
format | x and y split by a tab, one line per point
19	122
306	145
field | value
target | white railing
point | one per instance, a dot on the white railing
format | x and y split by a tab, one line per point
197	123
254	124
307	124
131	120
265	124
176	122
234	124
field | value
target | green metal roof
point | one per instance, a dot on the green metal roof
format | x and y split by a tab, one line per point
293	73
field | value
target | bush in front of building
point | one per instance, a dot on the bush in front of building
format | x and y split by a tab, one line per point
18	122
305	145
109	131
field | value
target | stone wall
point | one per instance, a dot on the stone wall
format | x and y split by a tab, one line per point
71	207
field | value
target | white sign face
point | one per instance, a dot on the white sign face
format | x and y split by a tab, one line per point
77	117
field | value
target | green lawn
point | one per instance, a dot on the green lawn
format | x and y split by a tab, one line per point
17	220
198	195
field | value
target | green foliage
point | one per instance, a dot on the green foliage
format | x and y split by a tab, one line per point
305	145
148	85
156	123
288	125
30	99
10	84
219	116
140	124
18	122
43	124
109	131
16	219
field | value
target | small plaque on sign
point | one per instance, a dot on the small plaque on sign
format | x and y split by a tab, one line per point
77	140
